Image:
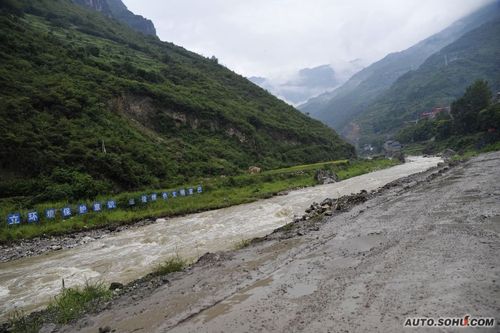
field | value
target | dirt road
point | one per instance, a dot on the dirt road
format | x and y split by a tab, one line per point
428	249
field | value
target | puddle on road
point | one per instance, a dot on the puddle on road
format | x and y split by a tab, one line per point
361	244
301	289
30	283
491	223
352	299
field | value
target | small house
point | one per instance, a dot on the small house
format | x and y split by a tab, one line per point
435	111
391	147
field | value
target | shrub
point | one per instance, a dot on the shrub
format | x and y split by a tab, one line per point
174	264
242	244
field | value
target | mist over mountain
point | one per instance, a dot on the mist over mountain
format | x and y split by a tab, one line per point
299	86
340	107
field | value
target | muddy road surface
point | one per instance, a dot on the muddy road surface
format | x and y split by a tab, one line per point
423	249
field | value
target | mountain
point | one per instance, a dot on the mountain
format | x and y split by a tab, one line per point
116	9
306	83
301	85
91	106
441	79
340	107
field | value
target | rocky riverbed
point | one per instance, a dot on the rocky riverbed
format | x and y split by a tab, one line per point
41	245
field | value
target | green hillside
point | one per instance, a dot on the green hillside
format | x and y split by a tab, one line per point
440	80
89	106
340	107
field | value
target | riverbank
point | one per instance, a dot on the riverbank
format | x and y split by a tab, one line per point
382	260
312	220
31	240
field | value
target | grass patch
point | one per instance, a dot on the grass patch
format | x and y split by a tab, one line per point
174	264
413	149
242	244
465	146
287	227
220	192
71	303
20	323
361	167
474	152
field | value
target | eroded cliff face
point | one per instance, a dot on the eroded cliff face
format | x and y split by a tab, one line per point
143	112
153	119
98	5
117	10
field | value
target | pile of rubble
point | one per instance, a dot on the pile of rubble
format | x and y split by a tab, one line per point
329	206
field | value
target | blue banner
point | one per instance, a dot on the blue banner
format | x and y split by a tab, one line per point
33	217
111	204
81	209
50	213
66	212
97	207
13	219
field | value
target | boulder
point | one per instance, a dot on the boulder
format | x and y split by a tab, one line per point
254	170
399	156
105	329
48	328
115	285
448	153
325	177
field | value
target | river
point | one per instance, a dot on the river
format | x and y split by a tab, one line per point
30	283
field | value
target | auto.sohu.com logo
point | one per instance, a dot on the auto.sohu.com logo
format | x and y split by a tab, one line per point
465	321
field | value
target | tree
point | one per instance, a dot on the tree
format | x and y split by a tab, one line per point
490	118
11	6
465	110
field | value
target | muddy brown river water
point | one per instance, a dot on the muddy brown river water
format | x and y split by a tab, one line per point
30	283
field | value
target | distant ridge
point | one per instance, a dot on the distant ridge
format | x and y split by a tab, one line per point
340	107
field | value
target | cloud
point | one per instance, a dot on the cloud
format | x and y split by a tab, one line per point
271	37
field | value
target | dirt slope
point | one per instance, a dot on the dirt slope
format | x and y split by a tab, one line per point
419	249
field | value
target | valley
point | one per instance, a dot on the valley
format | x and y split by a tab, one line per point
150	182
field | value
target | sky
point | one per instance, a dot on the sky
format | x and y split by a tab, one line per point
273	37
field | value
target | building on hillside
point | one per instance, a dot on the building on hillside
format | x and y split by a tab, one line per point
391	147
368	148
435	111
